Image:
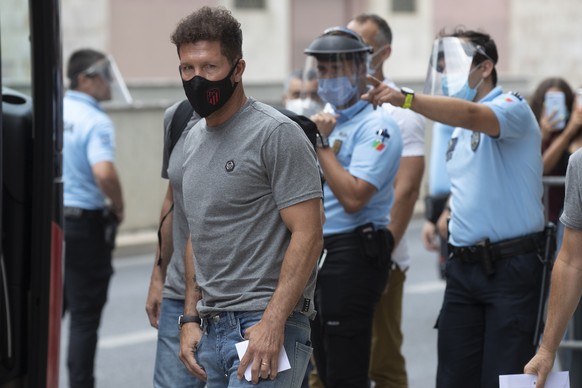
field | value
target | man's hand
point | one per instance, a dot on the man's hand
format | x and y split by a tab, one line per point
265	342
429	237
325	122
190	335
381	93
443	224
154	298
541	365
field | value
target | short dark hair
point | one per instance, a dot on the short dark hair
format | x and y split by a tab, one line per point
479	39
214	24
536	101
79	61
384	35
310	75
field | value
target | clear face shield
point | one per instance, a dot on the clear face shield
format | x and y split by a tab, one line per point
341	77
108	70
450	66
302	97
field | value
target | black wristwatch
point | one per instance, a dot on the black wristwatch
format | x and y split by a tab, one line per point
321	141
182	319
408	97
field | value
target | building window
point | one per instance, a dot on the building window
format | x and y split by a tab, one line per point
408	6
249	4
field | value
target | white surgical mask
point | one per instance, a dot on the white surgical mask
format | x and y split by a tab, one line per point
304	106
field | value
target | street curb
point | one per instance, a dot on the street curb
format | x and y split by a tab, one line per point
136	243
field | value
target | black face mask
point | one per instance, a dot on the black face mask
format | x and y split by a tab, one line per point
206	97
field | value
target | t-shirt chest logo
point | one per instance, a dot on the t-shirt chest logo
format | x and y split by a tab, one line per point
229	166
213	96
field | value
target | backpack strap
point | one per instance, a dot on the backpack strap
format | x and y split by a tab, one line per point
179	122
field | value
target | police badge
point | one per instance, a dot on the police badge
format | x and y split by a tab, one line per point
475	139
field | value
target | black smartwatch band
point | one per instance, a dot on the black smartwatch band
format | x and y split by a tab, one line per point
321	141
182	319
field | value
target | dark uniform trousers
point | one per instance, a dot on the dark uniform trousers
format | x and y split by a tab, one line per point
486	325
88	270
349	285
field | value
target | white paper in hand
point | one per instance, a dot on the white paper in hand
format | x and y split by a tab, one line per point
241	349
554	380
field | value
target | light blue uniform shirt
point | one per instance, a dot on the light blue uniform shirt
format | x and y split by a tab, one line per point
368	155
89	138
496	183
438	178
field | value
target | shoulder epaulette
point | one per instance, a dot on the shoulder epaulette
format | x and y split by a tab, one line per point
516	94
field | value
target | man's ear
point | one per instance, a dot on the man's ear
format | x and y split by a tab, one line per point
386	52
84	83
487	67
240	69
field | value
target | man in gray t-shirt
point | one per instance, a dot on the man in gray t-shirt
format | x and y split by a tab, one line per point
252	196
167	279
566	281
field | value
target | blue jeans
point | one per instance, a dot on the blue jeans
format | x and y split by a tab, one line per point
169	371
217	354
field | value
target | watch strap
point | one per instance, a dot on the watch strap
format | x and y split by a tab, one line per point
182	319
321	141
408	97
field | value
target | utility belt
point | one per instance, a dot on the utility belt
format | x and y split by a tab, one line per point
77	212
486	253
376	245
109	219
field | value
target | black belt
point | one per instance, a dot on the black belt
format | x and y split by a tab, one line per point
77	212
486	253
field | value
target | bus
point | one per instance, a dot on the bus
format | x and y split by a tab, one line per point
31	132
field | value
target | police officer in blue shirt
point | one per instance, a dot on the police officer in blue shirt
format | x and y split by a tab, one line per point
494	270
93	207
359	152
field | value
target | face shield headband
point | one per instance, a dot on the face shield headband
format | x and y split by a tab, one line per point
450	66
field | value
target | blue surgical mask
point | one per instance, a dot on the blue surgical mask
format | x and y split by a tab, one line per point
337	91
464	92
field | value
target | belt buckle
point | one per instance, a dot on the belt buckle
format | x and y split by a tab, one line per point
73	212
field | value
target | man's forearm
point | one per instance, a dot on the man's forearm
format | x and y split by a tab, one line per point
165	248
351	192
300	259
108	182
566	288
406	189
193	291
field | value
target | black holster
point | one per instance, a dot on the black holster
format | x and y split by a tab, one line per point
110	223
376	245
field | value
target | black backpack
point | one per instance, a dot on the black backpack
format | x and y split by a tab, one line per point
307	125
179	122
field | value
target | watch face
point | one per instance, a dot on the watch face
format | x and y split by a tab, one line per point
407	90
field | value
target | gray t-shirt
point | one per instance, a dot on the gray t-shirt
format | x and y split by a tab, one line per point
237	177
572	215
174	286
